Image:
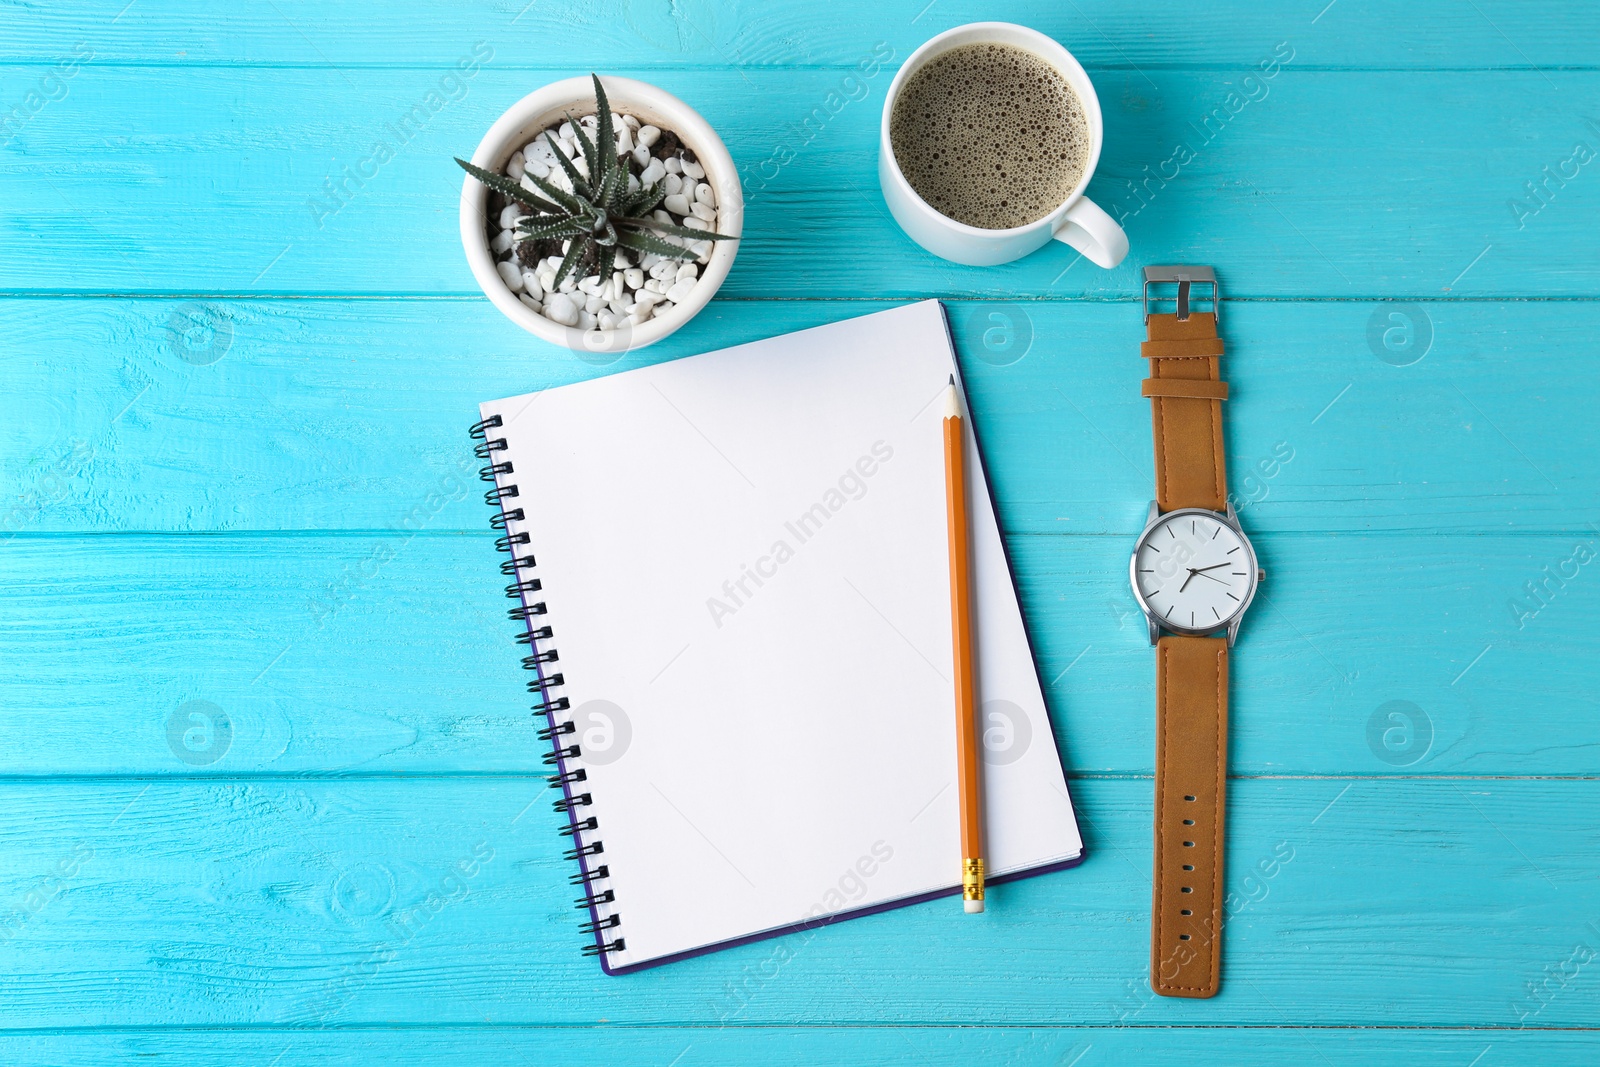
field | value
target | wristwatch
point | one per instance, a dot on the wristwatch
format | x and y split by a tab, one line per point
1194	574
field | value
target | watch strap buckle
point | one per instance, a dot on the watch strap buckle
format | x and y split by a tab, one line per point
1183	277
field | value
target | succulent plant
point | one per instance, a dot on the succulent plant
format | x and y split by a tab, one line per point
599	215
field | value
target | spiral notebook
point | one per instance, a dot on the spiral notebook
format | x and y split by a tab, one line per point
733	577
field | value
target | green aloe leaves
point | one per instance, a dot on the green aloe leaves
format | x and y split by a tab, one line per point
599	215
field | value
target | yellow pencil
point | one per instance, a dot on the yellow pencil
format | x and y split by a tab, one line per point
968	754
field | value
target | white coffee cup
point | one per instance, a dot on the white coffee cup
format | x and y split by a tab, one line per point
1078	221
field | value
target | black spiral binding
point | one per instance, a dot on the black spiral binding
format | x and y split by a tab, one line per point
562	746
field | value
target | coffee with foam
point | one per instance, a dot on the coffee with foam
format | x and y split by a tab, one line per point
990	135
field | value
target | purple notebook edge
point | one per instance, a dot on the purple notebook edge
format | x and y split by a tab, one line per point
829	920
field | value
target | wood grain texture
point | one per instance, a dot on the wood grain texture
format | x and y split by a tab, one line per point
787	33
489	1045
1346	184
351	414
433	902
232	470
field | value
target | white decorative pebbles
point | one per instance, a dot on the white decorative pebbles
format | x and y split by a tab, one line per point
642	285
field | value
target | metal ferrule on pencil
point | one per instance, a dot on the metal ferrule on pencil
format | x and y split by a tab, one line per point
971	879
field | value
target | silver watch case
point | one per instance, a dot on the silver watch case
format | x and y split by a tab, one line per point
1156	627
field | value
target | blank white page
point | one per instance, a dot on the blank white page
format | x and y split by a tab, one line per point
743	556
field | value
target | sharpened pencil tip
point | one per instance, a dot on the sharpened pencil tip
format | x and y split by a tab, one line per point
952	403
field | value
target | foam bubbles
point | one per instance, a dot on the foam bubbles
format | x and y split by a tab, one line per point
990	135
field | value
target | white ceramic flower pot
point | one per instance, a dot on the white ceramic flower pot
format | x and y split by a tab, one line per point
652	106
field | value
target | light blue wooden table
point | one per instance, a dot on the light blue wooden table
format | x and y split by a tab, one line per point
232	458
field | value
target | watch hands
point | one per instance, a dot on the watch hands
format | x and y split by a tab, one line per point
1202	570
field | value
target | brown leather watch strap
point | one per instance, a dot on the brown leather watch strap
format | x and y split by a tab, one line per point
1191	788
1207	390
1186	395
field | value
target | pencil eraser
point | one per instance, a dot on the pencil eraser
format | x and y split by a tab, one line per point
972	906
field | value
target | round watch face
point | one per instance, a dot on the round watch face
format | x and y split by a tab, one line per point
1193	572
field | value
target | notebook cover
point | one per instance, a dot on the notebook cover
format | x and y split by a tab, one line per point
824	920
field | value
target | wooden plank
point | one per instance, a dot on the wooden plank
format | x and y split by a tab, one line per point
359	633
1322	185
1153	35
323	904
799	1046
382	654
317	414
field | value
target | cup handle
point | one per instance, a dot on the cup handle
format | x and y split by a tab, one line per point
1093	232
